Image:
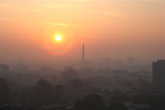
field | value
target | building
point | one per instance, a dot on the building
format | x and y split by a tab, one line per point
16	108
159	74
4	68
54	107
21	68
45	69
70	74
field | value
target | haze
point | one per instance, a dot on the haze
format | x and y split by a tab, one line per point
82	55
108	28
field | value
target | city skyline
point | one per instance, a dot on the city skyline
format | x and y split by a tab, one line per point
82	54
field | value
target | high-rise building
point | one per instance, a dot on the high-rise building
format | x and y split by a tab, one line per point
159	74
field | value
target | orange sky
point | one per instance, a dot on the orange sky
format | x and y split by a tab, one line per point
109	28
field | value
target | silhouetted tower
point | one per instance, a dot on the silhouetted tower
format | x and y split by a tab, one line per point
83	53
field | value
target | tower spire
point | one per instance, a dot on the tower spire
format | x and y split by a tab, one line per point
83	53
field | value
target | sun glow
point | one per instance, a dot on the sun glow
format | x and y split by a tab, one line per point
58	38
58	42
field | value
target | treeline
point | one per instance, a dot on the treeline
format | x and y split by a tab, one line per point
43	93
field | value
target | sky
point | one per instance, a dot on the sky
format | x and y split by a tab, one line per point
117	29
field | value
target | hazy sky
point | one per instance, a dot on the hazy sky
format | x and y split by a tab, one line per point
109	28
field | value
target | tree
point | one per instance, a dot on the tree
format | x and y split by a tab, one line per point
58	93
76	83
4	92
90	102
43	92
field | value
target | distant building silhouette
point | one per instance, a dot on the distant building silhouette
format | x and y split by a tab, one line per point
130	61
159	74
70	74
4	68
67	68
21	67
45	69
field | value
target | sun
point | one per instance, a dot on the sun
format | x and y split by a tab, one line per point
58	42
58	38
